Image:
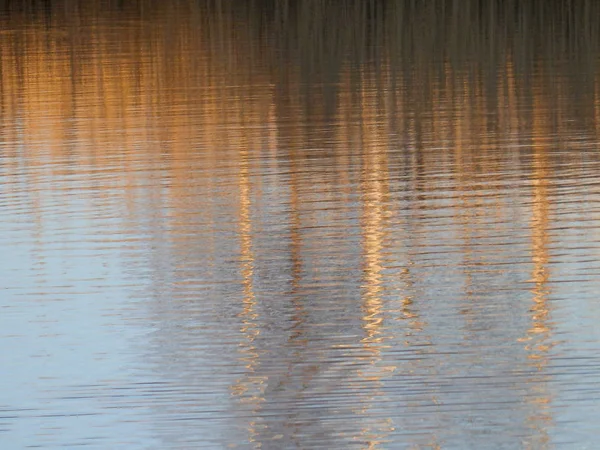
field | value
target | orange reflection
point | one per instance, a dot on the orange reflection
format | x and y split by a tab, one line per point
371	133
540	333
251	387
152	115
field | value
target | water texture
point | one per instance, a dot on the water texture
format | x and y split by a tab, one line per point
299	224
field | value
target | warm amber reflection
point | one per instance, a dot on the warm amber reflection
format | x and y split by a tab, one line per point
370	135
312	185
540	333
251	387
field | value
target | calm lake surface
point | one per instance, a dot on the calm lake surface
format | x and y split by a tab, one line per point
317	224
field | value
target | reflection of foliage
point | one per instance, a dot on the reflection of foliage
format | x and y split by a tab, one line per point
469	29
314	41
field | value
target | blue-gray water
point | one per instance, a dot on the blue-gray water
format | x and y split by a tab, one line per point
303	225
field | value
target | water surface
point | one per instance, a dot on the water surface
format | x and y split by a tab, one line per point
299	225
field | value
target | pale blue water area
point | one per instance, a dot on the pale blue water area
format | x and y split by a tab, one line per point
299	225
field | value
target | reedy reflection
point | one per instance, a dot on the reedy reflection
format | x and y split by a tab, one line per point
317	180
539	339
370	136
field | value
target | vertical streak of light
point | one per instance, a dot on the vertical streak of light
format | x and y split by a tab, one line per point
540	331
250	389
375	195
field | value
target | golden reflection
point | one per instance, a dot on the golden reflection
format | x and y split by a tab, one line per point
540	238
160	110
371	133
539	335
251	387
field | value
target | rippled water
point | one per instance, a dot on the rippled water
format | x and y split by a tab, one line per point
303	225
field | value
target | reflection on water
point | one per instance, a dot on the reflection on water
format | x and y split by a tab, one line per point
299	224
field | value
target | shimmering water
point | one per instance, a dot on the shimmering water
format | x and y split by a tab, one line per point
317	224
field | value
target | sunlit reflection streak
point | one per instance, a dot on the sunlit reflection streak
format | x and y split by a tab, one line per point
107	120
250	389
375	204
540	333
